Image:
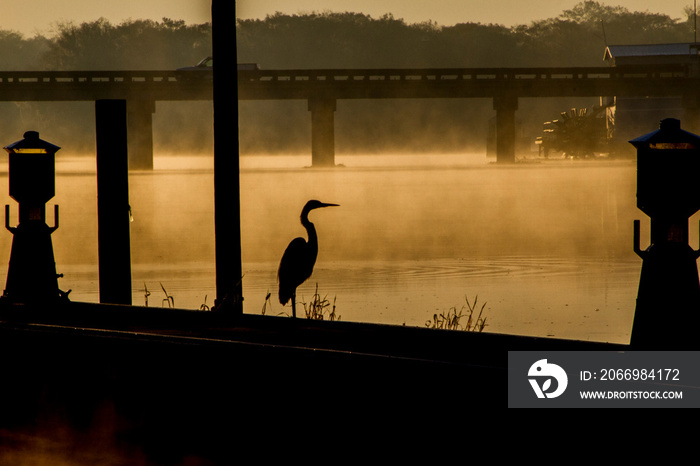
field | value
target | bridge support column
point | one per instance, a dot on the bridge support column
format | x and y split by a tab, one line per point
139	120
322	131
505	128
113	211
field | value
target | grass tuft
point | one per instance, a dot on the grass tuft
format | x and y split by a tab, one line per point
204	306
168	299
453	319
317	308
267	304
146	294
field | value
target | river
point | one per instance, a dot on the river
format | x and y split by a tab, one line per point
544	246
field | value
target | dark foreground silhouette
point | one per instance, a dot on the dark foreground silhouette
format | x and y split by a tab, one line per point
299	258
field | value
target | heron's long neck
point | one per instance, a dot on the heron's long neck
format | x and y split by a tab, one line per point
310	230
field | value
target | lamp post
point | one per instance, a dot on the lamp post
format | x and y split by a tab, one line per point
668	300
31	275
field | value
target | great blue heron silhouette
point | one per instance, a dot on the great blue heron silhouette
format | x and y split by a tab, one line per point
299	258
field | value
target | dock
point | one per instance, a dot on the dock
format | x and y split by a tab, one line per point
175	383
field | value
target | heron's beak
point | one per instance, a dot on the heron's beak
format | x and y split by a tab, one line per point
323	204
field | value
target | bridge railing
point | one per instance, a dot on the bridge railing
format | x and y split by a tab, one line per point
395	74
96	85
53	77
465	74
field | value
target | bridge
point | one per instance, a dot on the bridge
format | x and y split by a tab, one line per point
322	88
208	365
140	89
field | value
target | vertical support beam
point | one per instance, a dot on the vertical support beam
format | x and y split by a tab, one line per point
114	244
139	119
322	131
227	205
505	107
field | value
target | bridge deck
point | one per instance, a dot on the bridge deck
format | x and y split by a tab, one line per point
351	83
97	85
466	82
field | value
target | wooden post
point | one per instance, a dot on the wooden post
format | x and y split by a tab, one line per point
114	244
227	206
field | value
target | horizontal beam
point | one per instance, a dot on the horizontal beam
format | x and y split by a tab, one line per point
467	73
466	82
354	83
20	86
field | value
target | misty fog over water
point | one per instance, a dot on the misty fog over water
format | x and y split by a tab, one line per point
547	245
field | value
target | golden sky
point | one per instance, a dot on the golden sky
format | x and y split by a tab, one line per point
38	16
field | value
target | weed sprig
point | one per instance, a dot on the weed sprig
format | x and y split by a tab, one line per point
317	308
453	318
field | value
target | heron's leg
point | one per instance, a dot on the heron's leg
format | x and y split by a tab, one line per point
294	305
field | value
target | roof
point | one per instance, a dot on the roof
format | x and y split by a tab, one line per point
650	50
668	136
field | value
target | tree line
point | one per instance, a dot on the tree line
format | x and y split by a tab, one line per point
576	37
101	45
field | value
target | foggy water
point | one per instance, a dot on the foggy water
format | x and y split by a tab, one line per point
546	245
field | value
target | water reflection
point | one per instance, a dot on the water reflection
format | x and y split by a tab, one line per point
546	245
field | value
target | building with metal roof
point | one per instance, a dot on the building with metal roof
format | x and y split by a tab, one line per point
643	54
631	117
